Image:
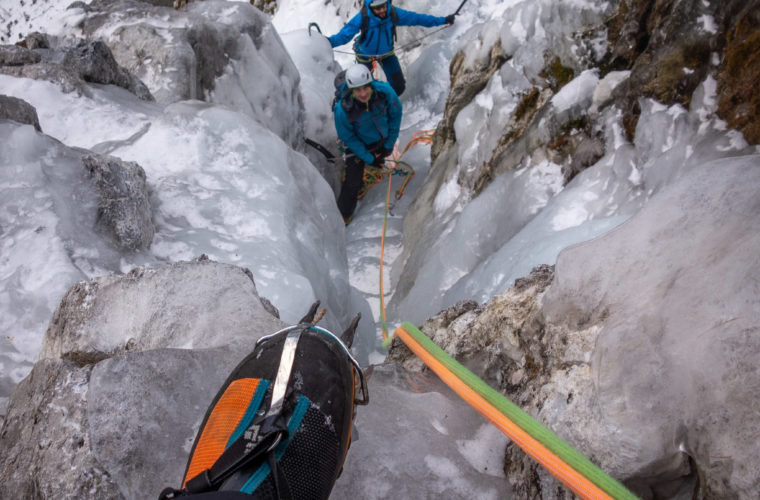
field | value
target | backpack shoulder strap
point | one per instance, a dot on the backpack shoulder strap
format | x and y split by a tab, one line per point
365	23
394	22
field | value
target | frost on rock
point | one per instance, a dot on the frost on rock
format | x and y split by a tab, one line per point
640	287
124	210
527	215
222	52
53	458
191	305
72	64
120	429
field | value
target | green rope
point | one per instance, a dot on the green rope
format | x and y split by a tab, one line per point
527	423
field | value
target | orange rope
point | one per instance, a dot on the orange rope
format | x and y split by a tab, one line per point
579	484
382	253
422	136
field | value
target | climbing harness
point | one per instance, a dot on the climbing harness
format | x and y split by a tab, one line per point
374	175
373	59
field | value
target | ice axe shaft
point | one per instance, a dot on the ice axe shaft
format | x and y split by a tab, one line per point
456	13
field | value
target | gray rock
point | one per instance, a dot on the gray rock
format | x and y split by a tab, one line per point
145	409
13	55
45	446
498	341
120	429
124	210
188	60
94	62
72	65
160	3
266	6
50	72
35	40
18	110
104	420
466	82
198	304
618	352
673	393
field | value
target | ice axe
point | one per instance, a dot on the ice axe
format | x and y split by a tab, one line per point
456	13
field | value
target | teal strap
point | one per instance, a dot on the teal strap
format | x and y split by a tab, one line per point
262	472
250	412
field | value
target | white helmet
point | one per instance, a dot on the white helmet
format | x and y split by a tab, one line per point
377	3
357	75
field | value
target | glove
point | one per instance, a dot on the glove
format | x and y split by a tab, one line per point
450	18
387	152
379	161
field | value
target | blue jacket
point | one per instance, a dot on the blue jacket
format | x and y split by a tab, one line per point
360	125
379	40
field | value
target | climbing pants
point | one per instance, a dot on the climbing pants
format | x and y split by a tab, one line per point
392	69
353	181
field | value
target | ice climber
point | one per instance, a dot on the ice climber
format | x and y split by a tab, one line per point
367	119
376	24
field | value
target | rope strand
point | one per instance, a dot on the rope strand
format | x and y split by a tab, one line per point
402	47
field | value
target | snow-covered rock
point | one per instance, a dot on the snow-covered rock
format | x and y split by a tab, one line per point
223	52
620	352
189	305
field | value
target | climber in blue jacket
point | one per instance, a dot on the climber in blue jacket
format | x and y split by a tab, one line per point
367	119
376	24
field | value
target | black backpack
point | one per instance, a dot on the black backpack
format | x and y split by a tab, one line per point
340	87
365	21
285	414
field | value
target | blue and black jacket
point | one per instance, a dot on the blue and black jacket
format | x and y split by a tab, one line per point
378	121
379	39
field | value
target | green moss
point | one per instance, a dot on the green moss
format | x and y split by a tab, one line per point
739	56
580	123
739	101
556	74
527	103
678	71
567	130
